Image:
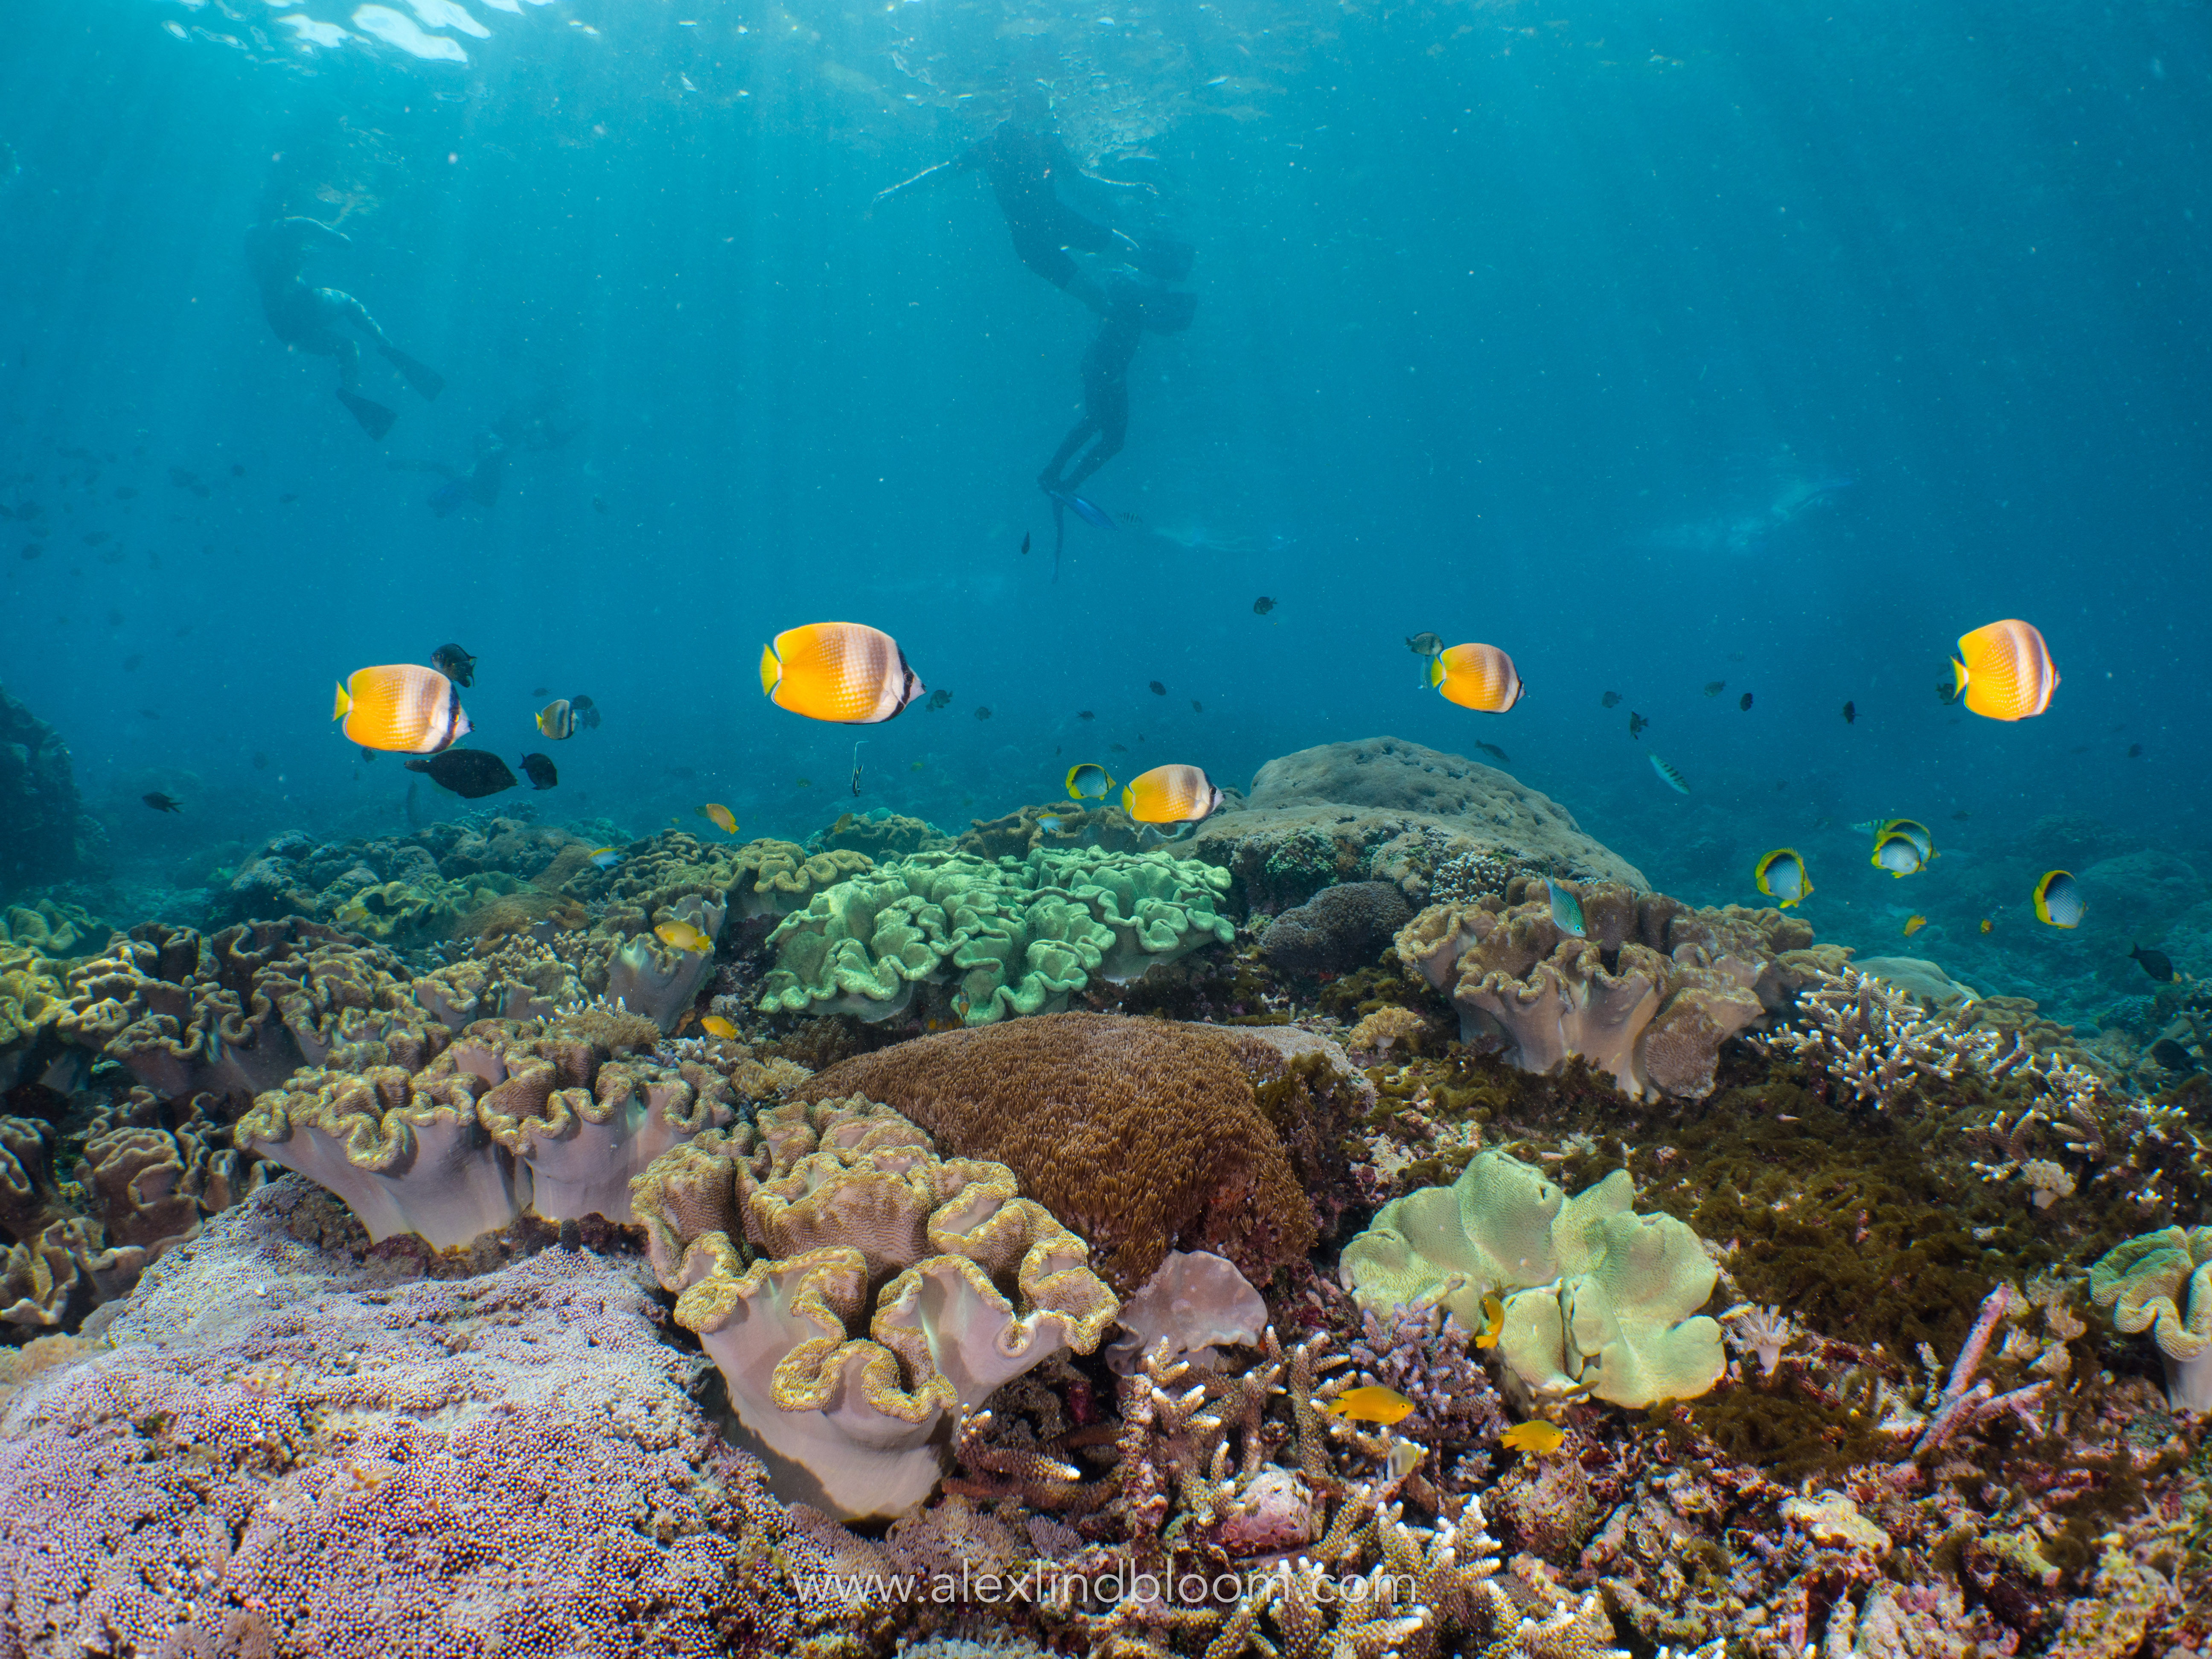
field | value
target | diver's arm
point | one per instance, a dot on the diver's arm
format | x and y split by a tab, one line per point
1063	160
304	230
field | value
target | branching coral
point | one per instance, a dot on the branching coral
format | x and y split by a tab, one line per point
1875	1042
969	1285
1596	1299
1142	1135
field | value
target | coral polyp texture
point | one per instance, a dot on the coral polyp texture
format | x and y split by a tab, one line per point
1595	1299
1648	996
279	1447
997	938
1142	1135
514	1116
958	1283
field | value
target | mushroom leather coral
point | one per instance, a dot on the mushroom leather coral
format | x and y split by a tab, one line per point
1597	1299
1011	939
861	1425
457	1149
1681	982
2161	1283
1141	1134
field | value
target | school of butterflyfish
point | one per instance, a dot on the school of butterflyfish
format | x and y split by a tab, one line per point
849	673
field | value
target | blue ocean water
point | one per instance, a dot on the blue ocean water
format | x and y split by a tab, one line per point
1738	343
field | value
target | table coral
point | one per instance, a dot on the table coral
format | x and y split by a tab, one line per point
998	938
1144	1136
960	1284
1596	1299
287	1452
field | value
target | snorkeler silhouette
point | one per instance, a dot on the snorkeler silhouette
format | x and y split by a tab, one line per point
1022	156
534	425
1132	311
326	322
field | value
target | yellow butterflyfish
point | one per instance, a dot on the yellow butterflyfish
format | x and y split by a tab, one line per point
846	672
1476	677
401	709
1170	795
2003	672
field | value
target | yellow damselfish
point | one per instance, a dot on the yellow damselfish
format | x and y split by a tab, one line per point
1535	1436
1913	925
724	819
847	672
1493	1322
715	1025
1372	1404
682	936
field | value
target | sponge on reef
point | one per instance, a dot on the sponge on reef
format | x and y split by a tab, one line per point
1142	1135
1597	1299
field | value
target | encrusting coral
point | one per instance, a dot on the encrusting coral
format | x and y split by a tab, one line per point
1596	1299
1142	1135
1649	995
959	1283
515	1115
1002	938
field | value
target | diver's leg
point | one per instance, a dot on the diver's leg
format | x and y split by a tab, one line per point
1049	480
342	308
375	419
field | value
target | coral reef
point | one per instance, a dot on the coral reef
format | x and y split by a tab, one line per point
960	1285
1055	823
2161	1283
1596	1299
1192	1303
998	938
1648	996
879	833
45	834
1385	810
289	1450
1871	1035
1338	929
38	947
515	1115
1141	1135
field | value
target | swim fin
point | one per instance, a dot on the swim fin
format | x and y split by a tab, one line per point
375	419
424	378
1168	311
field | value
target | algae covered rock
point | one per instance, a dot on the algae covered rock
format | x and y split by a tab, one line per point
1597	1299
1002	938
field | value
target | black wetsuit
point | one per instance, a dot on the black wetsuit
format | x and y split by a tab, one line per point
1105	404
325	322
1021	162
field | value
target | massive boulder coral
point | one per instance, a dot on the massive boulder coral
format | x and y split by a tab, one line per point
999	937
45	832
1381	809
282	1450
514	1116
1142	1135
841	1207
1649	995
1597	1300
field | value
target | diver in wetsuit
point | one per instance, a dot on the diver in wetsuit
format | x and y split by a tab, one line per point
1022	156
535	425
1132	311
325	321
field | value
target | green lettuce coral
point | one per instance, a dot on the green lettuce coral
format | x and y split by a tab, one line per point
1003	937
1596	1299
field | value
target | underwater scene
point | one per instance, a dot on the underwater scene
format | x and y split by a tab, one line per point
1312	829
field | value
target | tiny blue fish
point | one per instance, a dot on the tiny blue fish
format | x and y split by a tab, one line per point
1566	910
